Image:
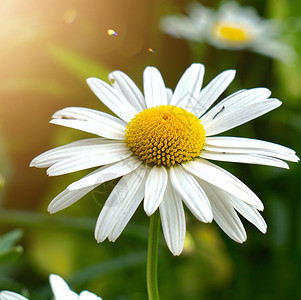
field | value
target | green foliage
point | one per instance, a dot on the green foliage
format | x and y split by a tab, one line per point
8	250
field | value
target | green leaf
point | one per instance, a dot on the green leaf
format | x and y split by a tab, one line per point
11	254
79	65
8	240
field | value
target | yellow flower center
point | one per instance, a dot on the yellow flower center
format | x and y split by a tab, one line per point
165	135
232	33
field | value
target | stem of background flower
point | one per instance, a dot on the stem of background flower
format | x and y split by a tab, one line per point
152	257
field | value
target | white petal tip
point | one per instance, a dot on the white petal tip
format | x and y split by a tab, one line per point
208	218
73	187
53	277
112	240
53	208
240	239
259	207
262	226
149	210
90	79
149	68
99	237
198	65
99	240
50	174
176	253
279	103
232	72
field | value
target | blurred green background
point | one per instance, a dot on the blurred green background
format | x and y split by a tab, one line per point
47	50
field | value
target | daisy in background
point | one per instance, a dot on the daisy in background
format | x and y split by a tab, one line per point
231	27
60	289
160	144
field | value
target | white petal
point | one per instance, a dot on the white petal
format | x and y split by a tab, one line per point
237	100
200	15
67	198
250	213
90	120
107	173
90	127
237	110
252	146
118	201
127	212
245	209
57	154
181	27
223	179
125	86
224	214
191	193
154	189
112	99
244	158
212	91
86	295
7	295
275	49
60	288
188	88
91	115
241	116
154	87
106	154
173	220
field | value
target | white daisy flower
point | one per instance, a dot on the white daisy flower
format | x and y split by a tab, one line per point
231	27
159	144
60	289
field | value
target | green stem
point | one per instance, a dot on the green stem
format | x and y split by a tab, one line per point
152	257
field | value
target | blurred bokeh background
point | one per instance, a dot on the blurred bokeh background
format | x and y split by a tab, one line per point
47	50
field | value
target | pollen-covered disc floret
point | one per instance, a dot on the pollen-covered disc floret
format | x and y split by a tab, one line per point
165	135
232	33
